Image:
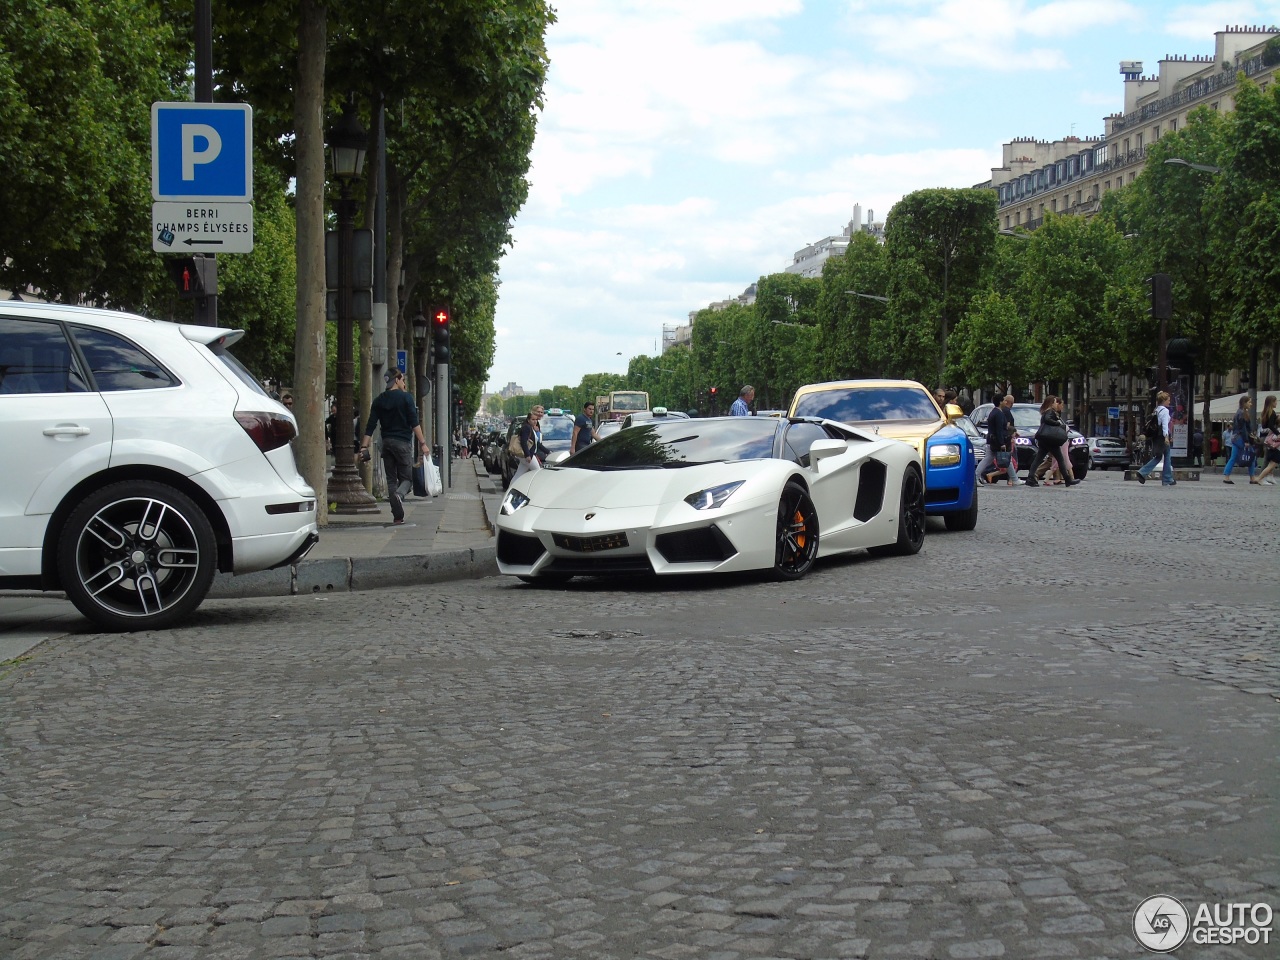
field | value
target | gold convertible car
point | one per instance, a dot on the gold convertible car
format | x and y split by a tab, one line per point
906	410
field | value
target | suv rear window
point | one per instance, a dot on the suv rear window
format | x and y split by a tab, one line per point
117	364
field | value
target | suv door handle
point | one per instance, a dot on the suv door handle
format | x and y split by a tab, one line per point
66	430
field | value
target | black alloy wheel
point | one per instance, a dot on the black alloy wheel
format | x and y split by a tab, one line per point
137	555
911	517
797	536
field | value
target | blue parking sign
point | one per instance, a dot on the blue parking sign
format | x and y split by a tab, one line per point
202	151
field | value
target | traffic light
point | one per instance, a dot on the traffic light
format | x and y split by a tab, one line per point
1161	285
440	332
713	393
456	391
194	276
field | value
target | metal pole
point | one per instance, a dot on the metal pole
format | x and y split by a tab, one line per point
346	489
443	433
206	312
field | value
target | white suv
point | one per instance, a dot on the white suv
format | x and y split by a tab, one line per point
140	457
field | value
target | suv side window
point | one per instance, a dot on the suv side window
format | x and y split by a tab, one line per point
119	365
800	437
36	358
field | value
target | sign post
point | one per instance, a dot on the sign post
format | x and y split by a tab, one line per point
202	185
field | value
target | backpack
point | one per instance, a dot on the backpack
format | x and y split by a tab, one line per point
1151	428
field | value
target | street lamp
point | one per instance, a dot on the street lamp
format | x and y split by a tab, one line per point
1202	167
347	143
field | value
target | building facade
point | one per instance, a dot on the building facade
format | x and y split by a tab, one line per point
1072	175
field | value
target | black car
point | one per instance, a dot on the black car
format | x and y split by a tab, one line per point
1026	417
557	430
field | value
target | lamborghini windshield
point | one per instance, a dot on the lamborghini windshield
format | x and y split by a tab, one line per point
681	443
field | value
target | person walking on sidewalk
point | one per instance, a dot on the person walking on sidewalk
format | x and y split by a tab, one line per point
1050	439
396	412
1270	433
530	444
998	441
1161	445
1242	441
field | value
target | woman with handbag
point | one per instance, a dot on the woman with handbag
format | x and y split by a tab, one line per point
1270	432
1049	441
530	440
1242	441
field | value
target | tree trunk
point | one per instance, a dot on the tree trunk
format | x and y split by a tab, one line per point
309	341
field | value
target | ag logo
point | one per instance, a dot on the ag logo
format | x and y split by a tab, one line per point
1161	924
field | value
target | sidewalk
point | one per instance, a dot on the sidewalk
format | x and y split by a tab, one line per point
449	537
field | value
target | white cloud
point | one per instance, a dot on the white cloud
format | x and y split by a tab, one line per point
687	148
985	34
1199	22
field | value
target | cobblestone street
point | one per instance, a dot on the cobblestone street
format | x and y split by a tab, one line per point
997	748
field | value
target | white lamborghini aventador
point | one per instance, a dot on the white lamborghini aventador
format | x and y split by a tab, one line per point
714	496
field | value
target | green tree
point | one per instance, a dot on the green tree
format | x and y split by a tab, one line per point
844	318
783	340
989	344
937	243
77	80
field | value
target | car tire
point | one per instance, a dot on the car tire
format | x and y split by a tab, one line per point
964	519
796	541
137	555
911	518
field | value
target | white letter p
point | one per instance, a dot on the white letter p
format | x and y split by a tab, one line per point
190	155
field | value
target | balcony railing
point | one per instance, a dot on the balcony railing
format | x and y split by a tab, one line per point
1189	94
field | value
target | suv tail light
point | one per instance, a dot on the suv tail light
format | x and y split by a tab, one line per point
267	430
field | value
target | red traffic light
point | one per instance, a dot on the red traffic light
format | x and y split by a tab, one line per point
440	316
713	391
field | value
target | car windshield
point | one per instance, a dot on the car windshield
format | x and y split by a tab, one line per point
868	404
630	401
556	428
1026	416
675	443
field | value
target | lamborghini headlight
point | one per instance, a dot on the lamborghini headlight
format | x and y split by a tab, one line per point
512	502
712	497
944	454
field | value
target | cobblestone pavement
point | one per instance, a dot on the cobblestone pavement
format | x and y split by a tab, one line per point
997	748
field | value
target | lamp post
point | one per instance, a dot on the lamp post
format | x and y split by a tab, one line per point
1114	370
347	141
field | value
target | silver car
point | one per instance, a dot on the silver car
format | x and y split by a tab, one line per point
1109	452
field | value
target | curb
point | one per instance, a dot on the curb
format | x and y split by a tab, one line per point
358	573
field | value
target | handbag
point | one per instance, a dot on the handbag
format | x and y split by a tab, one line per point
1002	458
1052	434
1248	453
1273	440
513	446
435	486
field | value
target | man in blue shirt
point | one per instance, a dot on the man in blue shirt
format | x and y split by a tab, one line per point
742	406
395	410
584	431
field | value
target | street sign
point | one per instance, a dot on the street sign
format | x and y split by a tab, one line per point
402	360
202	151
196	227
1113	413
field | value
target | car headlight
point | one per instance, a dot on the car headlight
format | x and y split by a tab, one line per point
712	497
1078	441
944	454
512	502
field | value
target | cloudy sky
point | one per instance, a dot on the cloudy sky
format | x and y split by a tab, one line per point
688	147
